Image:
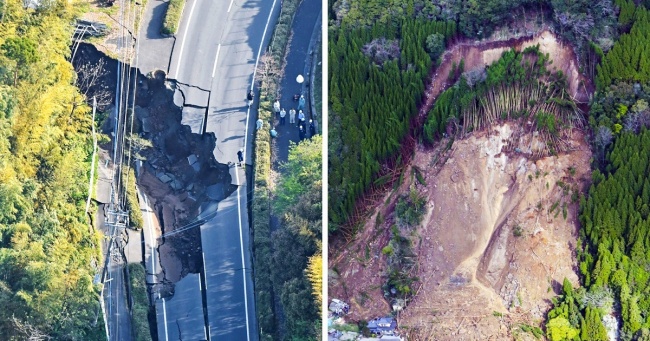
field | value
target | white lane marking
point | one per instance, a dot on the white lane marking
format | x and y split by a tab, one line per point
206	288
180	53
153	241
229	7
257	59
214	68
241	241
165	320
199	283
259	51
205	334
204	272
243	264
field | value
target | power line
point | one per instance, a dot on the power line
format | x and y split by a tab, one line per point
135	86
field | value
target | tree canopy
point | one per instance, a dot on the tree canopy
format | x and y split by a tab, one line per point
371	105
613	245
296	269
48	254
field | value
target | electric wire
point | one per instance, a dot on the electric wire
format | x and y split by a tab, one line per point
118	145
135	86
123	104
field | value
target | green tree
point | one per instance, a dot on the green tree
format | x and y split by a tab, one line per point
435	45
559	329
20	49
300	173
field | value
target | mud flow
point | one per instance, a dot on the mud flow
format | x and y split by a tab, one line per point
178	173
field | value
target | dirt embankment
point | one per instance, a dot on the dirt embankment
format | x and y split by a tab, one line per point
498	236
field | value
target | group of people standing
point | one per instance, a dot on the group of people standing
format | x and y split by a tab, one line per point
281	113
301	122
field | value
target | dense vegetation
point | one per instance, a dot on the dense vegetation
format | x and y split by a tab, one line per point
623	81
580	21
629	59
376	81
48	253
295	269
613	247
140	308
173	16
136	220
613	255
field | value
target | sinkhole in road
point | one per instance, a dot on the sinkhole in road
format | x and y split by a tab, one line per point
177	172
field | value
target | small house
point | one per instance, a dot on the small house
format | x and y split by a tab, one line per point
382	326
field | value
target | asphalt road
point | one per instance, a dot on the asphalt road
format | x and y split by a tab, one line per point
298	59
150	39
182	315
229	285
213	63
119	321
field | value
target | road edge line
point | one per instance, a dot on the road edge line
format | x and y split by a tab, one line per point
243	260
257	60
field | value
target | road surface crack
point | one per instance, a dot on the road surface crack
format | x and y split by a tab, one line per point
186	105
192	86
180	335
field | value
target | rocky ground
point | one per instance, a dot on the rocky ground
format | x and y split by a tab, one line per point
179	172
494	239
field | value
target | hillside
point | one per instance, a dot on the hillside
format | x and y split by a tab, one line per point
48	251
500	218
496	236
525	183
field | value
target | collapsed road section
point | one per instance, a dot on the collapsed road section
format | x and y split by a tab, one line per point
189	190
180	184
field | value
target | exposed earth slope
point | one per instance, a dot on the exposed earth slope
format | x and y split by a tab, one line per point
500	228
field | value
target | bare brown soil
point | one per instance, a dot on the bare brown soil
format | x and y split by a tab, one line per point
470	263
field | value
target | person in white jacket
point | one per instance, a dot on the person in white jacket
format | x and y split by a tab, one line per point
292	116
276	108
